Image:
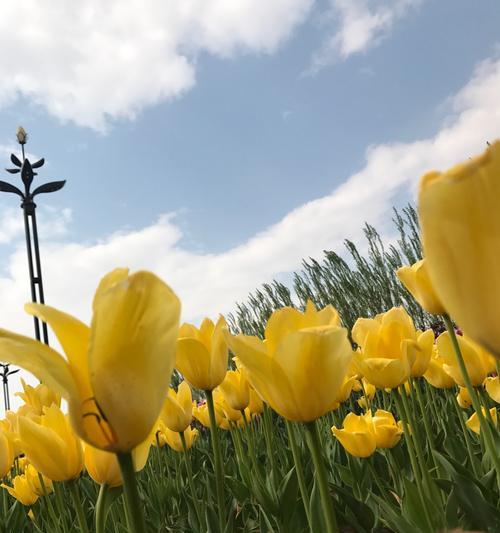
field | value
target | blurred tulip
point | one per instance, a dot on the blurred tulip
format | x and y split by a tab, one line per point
460	223
357	436
173	438
177	411
256	405
492	386
21	490
202	354
200	412
231	414
416	280
479	362
463	398
235	390
51	446
387	431
435	374
6	453
473	422
388	347
103	466
36	398
33	479
300	367
118	370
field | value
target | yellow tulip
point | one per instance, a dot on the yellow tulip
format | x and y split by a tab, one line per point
6	453
346	389
51	446
460	224
117	371
235	390
103	466
463	398
33	479
173	438
177	411
255	405
492	386
202	354
435	374
416	280
200	412
479	362
473	422
36	398
21	490
300	367
388	348
387	431
231	414
423	354
357	435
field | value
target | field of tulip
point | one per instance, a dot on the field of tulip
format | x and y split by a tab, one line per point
365	399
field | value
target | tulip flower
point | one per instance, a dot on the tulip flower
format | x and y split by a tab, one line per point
230	414
33	479
479	362
473	422
6	453
255	405
200	412
177	411
117	371
416	280
22	490
387	431
51	446
36	398
423	354
357	435
202	354
463	398
173	438
300	367
388	348
460	223
435	374
235	390
492	386
103	466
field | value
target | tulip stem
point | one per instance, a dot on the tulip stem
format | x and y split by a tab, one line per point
218	466
483	423
48	501
319	466
468	443
132	499
187	461
298	469
77	502
101	508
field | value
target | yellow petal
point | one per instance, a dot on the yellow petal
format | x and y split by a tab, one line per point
132	354
193	362
39	359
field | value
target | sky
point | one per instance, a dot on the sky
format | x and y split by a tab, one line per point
218	143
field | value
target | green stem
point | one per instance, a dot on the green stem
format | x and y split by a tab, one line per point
48	501
218	466
298	469
133	502
268	436
320	470
468	443
485	427
77	502
411	453
101	508
58	487
187	461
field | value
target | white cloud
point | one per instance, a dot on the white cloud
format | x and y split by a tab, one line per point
358	25
93	61
209	283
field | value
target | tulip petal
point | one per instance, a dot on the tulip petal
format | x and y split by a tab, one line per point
193	362
39	359
73	336
132	354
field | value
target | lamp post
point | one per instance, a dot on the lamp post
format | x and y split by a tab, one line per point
27	172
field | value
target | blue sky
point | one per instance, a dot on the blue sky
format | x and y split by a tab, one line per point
220	150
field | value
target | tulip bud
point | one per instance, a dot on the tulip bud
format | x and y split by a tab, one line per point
21	135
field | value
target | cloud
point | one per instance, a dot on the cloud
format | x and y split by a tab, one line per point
92	62
359	25
209	283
